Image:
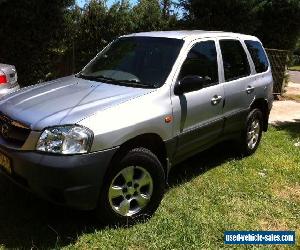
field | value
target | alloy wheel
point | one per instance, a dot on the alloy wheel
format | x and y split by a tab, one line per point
253	134
130	191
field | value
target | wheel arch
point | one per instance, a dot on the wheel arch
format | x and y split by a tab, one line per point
262	105
150	141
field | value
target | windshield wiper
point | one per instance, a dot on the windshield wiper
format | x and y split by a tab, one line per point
105	78
93	78
131	83
136	83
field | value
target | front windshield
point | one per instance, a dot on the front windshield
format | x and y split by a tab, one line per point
135	61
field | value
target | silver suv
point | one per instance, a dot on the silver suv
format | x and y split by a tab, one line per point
106	138
8	79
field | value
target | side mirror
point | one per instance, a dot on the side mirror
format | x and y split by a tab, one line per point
189	84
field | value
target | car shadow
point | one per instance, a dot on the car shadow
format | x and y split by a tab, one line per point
202	162
30	222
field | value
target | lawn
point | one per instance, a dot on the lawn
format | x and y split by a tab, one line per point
297	68
292	97
208	194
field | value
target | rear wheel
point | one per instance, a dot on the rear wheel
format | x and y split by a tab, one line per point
252	133
133	189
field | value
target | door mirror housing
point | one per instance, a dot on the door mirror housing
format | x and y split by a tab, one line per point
189	84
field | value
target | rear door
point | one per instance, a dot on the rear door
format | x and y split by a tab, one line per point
264	79
239	84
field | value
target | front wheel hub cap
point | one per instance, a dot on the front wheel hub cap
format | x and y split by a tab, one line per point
129	200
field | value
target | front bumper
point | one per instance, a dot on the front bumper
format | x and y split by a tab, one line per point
73	181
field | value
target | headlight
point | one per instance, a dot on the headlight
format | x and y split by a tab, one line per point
65	140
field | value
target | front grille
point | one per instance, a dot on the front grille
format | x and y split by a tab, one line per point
13	131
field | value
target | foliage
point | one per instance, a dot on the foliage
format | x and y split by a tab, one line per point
49	39
148	15
275	22
225	15
166	8
296	55
29	30
280	21
98	25
91	27
297	48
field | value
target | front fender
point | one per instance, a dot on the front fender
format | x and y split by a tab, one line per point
145	115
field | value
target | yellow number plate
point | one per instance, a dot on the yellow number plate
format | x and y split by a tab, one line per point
5	163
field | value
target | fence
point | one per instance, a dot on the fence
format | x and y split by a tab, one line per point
278	60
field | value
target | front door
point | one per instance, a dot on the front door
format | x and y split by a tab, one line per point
201	118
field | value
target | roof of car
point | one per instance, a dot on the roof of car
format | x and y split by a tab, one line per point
191	34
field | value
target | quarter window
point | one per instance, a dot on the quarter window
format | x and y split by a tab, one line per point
235	60
258	56
202	61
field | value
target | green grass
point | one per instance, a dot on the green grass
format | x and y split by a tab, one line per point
297	68
292	97
210	193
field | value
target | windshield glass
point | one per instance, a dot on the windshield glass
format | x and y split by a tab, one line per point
135	61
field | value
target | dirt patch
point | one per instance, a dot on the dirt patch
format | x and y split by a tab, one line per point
295	98
290	193
271	224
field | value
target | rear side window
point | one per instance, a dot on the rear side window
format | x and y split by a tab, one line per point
258	56
202	61
235	60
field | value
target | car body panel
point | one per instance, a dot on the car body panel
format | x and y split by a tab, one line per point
64	101
133	119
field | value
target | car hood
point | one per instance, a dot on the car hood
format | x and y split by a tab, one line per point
64	101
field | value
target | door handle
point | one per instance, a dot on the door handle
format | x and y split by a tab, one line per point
216	99
249	89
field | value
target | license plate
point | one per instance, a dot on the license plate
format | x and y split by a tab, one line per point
5	163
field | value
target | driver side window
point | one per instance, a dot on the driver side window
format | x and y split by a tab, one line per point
202	61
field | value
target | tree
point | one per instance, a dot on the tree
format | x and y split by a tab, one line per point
166	6
280	23
91	35
297	48
275	22
147	16
119	20
225	15
28	31
97	26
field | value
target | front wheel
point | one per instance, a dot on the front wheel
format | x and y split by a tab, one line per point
133	188
251	135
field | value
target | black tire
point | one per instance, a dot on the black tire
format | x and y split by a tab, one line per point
245	148
139	158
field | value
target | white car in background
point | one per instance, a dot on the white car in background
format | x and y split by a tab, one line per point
8	79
